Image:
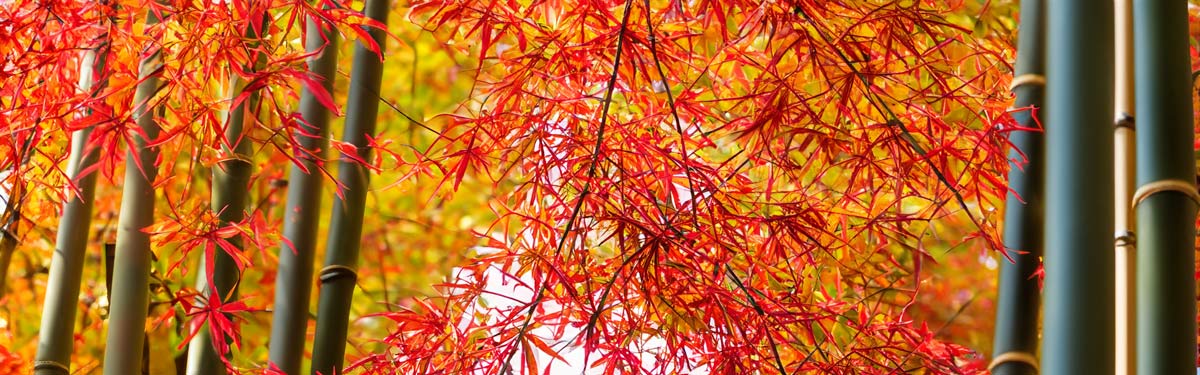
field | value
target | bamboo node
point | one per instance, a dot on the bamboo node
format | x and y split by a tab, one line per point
333	271
1186	188
50	365
1125	120
1027	79
1125	238
1019	357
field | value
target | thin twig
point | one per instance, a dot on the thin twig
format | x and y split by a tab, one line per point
612	82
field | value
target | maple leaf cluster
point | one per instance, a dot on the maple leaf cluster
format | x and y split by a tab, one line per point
738	187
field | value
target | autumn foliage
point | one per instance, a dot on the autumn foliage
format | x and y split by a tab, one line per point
711	186
757	186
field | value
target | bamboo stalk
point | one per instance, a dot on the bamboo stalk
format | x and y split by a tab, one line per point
1165	201
1079	284
1124	166
294	276
129	299
1016	336
56	337
110	252
8	244
339	276
230	182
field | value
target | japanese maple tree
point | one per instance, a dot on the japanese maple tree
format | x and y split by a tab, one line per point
738	186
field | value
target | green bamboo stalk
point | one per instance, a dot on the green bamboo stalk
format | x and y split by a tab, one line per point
130	296
1125	241
345	233
8	244
294	277
230	182
1079	262
1019	300
1166	170
110	254
57	331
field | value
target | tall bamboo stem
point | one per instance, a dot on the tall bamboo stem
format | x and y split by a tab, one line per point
345	233
230	182
294	276
1165	201
57	332
1079	284
1019	300
8	244
130	295
1125	240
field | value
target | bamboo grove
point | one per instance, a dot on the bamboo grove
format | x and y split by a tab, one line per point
617	186
1132	310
